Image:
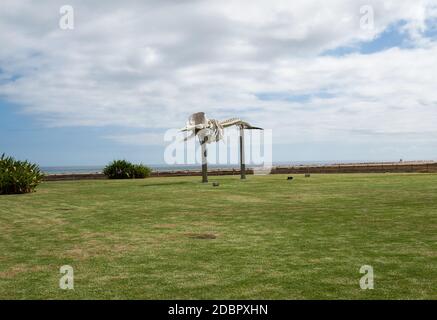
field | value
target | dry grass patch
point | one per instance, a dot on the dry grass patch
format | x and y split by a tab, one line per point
203	236
21	268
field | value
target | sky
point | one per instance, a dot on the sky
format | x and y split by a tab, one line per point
330	81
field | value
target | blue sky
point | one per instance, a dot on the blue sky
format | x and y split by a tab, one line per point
25	137
392	37
111	87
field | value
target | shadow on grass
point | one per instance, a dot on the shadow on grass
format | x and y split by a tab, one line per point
169	184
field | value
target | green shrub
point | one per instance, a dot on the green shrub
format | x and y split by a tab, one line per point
141	171
122	169
18	176
119	169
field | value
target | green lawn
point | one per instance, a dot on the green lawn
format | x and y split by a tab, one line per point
264	238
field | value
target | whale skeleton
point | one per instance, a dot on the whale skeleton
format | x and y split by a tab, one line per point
211	130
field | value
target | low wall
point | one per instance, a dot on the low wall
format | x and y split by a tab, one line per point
75	176
400	167
430	167
223	172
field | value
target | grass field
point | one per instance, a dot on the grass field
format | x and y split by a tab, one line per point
264	238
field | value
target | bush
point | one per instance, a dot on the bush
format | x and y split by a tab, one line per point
118	169
18	176
141	171
122	169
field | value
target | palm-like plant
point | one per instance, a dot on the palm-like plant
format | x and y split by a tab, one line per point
18	176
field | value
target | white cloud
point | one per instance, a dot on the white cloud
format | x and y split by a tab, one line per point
139	139
149	64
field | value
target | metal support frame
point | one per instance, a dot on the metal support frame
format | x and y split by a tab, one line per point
204	162
242	159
